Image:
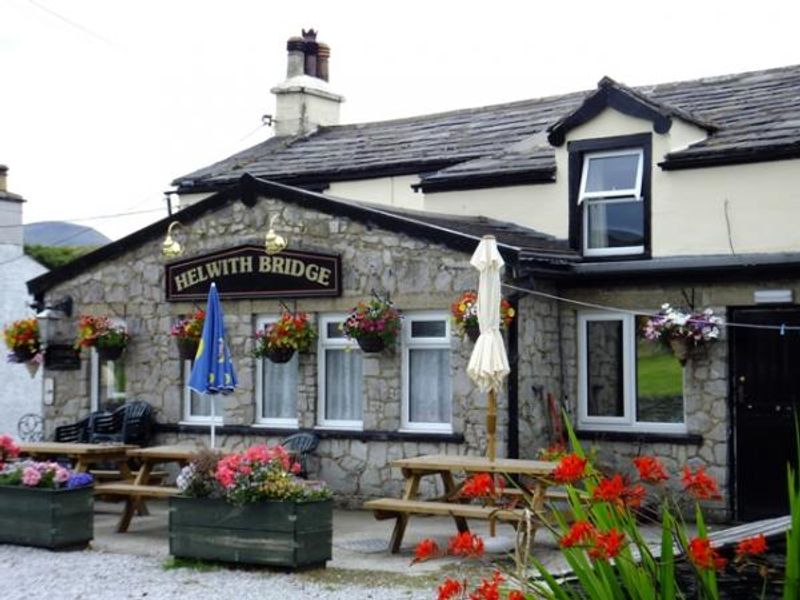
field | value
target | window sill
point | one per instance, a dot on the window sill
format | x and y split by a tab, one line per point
268	425
652	437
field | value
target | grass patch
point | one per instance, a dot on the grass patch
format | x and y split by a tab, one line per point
659	374
194	564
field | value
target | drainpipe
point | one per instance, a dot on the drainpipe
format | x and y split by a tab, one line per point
513	379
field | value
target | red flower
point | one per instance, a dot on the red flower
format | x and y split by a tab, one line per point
449	589
610	490
699	484
466	544
570	468
606	545
426	549
751	546
581	532
704	556
516	595
480	485
632	496
488	589
650	469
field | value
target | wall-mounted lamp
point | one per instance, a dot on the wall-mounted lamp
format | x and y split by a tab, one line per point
273	243
170	247
49	315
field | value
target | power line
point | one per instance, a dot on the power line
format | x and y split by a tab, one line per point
637	313
71	23
97	217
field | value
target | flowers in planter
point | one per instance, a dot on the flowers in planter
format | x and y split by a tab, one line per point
98	332
259	473
48	475
464	313
682	330
8	449
22	338
278	341
374	324
187	333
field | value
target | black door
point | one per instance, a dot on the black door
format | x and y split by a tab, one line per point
765	380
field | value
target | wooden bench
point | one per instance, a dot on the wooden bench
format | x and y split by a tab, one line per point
389	508
133	495
115	475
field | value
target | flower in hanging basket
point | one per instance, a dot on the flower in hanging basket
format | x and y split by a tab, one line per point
187	333
22	338
681	330
464	312
100	333
374	324
278	341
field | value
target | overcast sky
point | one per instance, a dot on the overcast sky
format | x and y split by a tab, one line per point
104	102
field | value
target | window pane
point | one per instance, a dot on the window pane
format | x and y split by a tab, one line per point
609	173
614	224
659	383
428	329
112	384
279	389
342	385
604	380
200	405
333	331
430	391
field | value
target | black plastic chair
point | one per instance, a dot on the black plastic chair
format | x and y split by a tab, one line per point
302	445
131	423
74	432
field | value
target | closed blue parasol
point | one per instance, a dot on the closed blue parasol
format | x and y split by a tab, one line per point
213	372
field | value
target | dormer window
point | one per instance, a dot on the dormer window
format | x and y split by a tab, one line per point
609	189
612	201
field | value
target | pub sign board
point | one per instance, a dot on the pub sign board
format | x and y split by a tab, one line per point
249	272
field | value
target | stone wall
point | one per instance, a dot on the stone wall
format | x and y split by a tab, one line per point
416	273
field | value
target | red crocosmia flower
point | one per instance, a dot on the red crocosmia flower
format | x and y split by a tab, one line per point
610	490
606	545
488	589
466	544
699	484
480	486
704	556
570	468
650	469
426	549
581	532
632	496
516	595
752	546
450	589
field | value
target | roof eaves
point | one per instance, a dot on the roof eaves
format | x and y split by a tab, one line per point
455	182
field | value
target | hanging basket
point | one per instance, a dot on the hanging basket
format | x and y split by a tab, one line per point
371	343
473	331
109	352
280	355
187	347
23	354
680	348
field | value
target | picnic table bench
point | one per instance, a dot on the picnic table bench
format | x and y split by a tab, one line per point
444	466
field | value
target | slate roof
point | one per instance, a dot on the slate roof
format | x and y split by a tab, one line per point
756	116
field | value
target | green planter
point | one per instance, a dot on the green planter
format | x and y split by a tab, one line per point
46	518
272	533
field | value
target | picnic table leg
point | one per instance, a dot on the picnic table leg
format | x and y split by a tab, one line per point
135	504
450	488
81	466
410	491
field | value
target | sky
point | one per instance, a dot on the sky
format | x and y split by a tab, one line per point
104	103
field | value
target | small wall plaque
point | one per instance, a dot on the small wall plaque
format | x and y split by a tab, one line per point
62	357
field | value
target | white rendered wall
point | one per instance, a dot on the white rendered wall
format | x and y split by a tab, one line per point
19	393
393	191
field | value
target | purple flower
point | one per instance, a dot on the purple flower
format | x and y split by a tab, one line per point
77	480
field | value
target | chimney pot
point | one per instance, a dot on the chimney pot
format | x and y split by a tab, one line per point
323	55
3	178
295	48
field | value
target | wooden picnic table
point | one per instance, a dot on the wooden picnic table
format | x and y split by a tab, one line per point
445	466
141	487
83	455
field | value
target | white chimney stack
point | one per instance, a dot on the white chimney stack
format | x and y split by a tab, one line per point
305	101
10	213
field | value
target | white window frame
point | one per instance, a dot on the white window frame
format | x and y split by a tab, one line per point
278	423
627	422
188	417
94	392
409	343
324	343
609	197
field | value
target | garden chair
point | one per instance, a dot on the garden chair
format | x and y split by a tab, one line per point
302	445
73	432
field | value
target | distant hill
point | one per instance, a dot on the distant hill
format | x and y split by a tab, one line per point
61	233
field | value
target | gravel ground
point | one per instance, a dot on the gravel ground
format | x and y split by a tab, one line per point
32	574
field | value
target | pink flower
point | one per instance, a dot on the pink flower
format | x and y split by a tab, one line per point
61	475
296	468
31	477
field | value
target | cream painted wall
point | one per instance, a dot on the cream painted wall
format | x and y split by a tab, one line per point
393	191
688	214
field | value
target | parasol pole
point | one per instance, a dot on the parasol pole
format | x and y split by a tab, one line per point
491	424
213	422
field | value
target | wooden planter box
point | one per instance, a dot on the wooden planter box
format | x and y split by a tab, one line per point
272	533
46	518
